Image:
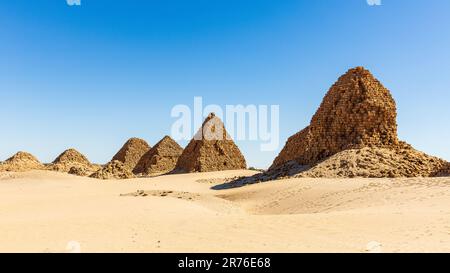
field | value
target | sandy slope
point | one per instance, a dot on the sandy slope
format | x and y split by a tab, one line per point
42	211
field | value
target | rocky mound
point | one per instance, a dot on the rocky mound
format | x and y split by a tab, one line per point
366	162
84	170
357	111
131	152
162	158
377	163
81	171
21	162
113	170
211	149
353	133
69	159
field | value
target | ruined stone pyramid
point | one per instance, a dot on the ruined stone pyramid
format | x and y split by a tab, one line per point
70	156
353	134
211	149
131	152
68	159
21	162
162	158
357	111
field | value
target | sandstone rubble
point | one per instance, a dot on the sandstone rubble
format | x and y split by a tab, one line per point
113	170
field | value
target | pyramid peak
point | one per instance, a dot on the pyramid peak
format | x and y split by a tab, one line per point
212	128
358	68
71	155
71	151
211	116
166	140
358	72
135	140
21	155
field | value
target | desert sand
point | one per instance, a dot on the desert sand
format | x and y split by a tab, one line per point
43	211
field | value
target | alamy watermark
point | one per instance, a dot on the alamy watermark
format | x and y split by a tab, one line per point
374	2
242	122
73	2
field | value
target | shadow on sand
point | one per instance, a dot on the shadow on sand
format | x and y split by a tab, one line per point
290	169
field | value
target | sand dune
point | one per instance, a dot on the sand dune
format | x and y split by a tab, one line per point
44	211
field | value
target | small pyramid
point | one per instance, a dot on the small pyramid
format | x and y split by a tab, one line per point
358	111
131	152
21	162
211	149
69	159
160	159
70	156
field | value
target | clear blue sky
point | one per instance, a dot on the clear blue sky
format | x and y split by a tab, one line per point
90	77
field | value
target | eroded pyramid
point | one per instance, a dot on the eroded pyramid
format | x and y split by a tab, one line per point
353	134
69	159
131	152
21	162
358	111
161	158
211	149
